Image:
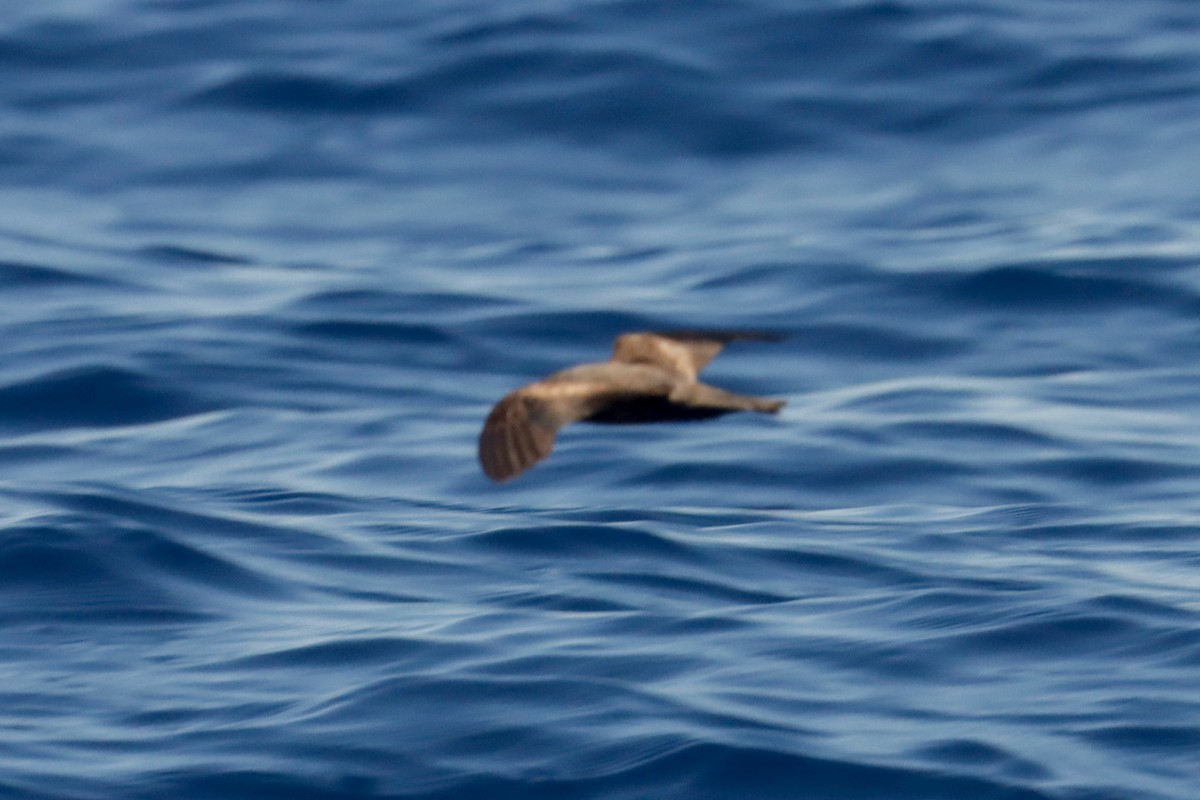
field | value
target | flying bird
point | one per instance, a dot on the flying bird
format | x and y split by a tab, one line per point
650	377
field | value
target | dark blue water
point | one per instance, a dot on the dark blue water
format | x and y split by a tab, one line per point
266	265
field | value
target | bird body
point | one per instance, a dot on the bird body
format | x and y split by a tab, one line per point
651	377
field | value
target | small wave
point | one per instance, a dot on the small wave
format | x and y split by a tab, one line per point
813	565
700	771
709	473
14	275
850	340
972	753
307	94
352	330
1038	287
1112	470
582	541
1090	81
116	504
980	432
375	301
355	652
93	396
584	96
277	500
678	588
77	568
707	770
1062	634
865	475
527	27
1184	739
586	327
177	254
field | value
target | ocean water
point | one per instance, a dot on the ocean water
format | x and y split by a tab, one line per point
267	264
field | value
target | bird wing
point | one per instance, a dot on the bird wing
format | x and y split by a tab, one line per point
520	430
682	352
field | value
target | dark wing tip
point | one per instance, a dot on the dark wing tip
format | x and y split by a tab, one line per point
510	441
724	336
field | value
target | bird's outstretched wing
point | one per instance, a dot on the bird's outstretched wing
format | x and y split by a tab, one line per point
684	353
521	428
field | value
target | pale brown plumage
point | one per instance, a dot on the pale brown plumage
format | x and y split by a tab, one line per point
651	377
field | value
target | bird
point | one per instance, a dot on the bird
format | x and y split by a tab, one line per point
650	377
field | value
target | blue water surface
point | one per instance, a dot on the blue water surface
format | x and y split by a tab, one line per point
267	264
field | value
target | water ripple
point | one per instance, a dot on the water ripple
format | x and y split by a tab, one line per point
270	264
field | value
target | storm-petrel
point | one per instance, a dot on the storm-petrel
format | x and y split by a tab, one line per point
651	377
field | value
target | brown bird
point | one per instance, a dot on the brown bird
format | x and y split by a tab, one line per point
651	377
